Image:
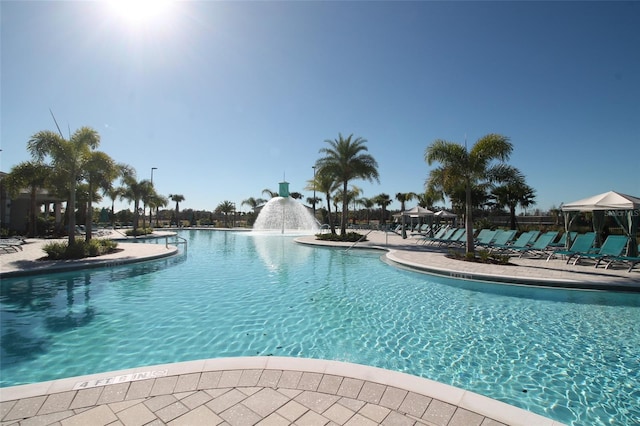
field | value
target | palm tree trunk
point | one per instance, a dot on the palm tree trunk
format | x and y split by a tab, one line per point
71	207
333	229
345	208
88	221
469	220
403	221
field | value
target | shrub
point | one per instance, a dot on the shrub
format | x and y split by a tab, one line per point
139	231
351	237
61	250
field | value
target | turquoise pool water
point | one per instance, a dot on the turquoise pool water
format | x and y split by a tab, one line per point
572	356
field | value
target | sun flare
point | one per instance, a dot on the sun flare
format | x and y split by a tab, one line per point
139	11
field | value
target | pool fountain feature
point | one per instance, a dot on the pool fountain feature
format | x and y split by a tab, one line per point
284	214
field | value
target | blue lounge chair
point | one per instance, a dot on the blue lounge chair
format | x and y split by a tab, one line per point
485	237
540	247
460	240
503	238
612	247
524	240
562	242
442	233
631	260
452	237
582	244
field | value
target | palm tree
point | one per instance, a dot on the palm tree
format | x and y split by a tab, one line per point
345	160
136	191
32	175
226	207
513	192
114	193
151	198
429	198
460	167
403	197
325	183
313	201
270	193
254	203
177	198
101	171
367	203
296	195
383	200
155	201
68	158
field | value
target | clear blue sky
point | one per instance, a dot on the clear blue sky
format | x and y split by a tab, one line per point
227	98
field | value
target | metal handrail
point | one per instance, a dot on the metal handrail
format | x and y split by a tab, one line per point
360	239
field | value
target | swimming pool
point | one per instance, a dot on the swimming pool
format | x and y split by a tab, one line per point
568	355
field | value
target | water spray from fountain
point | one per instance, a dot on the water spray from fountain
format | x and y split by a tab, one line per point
284	214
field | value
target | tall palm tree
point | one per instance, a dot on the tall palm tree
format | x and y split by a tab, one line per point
68	158
177	198
403	197
123	170
136	191
100	172
345	160
325	183
513	192
32	175
155	202
151	199
383	200
460	167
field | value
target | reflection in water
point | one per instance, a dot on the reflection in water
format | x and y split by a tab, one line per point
276	251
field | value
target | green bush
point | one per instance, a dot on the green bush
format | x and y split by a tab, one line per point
81	249
351	237
139	231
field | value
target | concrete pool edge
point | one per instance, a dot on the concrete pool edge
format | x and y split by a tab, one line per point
462	399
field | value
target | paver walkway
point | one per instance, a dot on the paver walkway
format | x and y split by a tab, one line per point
254	391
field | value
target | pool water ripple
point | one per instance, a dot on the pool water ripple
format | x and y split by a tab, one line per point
568	355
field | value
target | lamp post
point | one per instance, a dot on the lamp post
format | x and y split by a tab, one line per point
314	191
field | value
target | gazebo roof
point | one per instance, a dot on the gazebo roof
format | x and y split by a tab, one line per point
608	201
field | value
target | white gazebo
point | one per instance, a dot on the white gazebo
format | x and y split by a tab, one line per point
625	209
415	212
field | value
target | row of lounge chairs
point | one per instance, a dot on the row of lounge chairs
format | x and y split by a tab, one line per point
10	245
537	244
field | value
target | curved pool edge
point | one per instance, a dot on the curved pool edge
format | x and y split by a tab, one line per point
132	253
378	390
433	261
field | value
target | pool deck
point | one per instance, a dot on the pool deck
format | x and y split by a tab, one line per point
275	390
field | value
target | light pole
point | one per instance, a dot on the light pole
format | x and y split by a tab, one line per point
314	191
152	169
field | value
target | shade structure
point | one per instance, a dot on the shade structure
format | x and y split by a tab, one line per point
608	201
445	214
417	211
625	209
